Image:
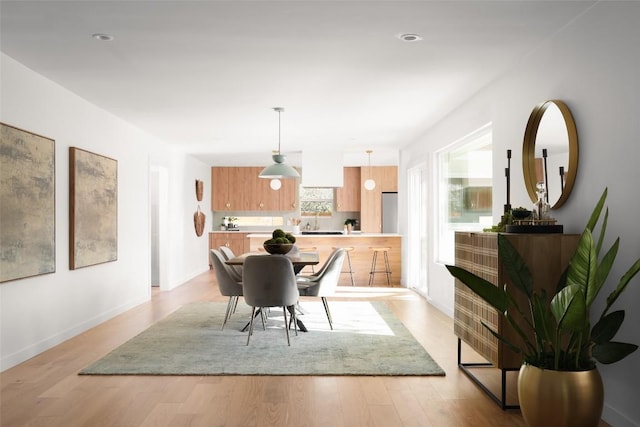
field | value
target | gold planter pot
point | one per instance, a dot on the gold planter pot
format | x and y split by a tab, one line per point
560	398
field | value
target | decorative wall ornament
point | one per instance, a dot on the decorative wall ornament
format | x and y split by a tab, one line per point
199	219
93	208
199	189
27	204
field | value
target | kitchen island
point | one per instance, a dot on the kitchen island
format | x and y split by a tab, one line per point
361	255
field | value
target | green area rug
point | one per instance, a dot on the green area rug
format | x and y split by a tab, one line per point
367	340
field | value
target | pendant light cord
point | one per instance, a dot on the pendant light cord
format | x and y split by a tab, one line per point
279	110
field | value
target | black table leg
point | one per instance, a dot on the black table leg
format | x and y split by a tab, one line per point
301	325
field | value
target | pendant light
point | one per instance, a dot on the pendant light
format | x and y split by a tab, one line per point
279	169
275	184
369	184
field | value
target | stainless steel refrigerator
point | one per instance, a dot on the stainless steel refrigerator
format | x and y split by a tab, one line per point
389	212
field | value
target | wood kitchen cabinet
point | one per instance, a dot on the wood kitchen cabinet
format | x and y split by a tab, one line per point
235	240
240	189
289	194
225	182
348	196
386	178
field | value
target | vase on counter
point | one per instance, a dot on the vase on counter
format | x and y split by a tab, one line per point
296	229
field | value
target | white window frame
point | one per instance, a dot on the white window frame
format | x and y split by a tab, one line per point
445	230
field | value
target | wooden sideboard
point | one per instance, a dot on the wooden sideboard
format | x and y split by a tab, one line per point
546	256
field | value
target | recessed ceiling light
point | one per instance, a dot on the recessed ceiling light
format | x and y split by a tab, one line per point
409	37
103	37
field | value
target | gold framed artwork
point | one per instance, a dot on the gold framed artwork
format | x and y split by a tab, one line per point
27	204
93	209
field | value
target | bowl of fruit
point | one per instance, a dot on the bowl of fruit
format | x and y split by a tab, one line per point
280	243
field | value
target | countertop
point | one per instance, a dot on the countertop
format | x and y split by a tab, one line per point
338	236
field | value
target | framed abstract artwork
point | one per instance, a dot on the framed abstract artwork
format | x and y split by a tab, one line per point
93	209
27	204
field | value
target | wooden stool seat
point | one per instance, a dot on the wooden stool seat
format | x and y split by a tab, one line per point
387	269
348	249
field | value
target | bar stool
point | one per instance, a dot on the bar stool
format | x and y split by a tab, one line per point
309	249
387	269
350	270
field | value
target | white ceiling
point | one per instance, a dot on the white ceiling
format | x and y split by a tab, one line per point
205	75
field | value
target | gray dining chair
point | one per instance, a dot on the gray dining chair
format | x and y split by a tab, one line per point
228	284
269	281
228	254
323	283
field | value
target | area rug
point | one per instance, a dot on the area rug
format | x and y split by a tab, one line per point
367	339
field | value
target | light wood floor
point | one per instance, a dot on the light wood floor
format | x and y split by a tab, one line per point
46	390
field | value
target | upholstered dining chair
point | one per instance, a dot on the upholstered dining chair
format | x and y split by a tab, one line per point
228	284
315	276
269	281
324	283
227	253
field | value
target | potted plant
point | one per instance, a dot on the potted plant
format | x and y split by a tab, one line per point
565	346
349	223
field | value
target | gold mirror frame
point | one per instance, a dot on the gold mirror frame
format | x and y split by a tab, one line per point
529	151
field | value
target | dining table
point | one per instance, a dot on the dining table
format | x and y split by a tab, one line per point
299	261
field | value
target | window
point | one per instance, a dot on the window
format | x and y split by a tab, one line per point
464	189
316	201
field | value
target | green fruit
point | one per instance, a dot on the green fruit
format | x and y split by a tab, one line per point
290	237
278	233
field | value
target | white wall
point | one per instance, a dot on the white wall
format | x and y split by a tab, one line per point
593	65
40	312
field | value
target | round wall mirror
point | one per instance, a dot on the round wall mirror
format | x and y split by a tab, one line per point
550	152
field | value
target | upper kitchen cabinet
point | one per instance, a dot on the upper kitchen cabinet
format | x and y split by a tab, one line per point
348	196
258	195
289	194
225	182
240	189
386	178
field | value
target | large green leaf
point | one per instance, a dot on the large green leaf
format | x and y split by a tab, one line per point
492	294
543	322
502	339
595	215
569	309
612	351
515	266
624	281
607	327
584	263
602	272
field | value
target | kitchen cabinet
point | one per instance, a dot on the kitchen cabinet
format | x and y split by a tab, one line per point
386	178
360	255
225	182
348	196
289	194
240	189
235	240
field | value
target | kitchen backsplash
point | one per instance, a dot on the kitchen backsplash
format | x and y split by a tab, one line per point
257	221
